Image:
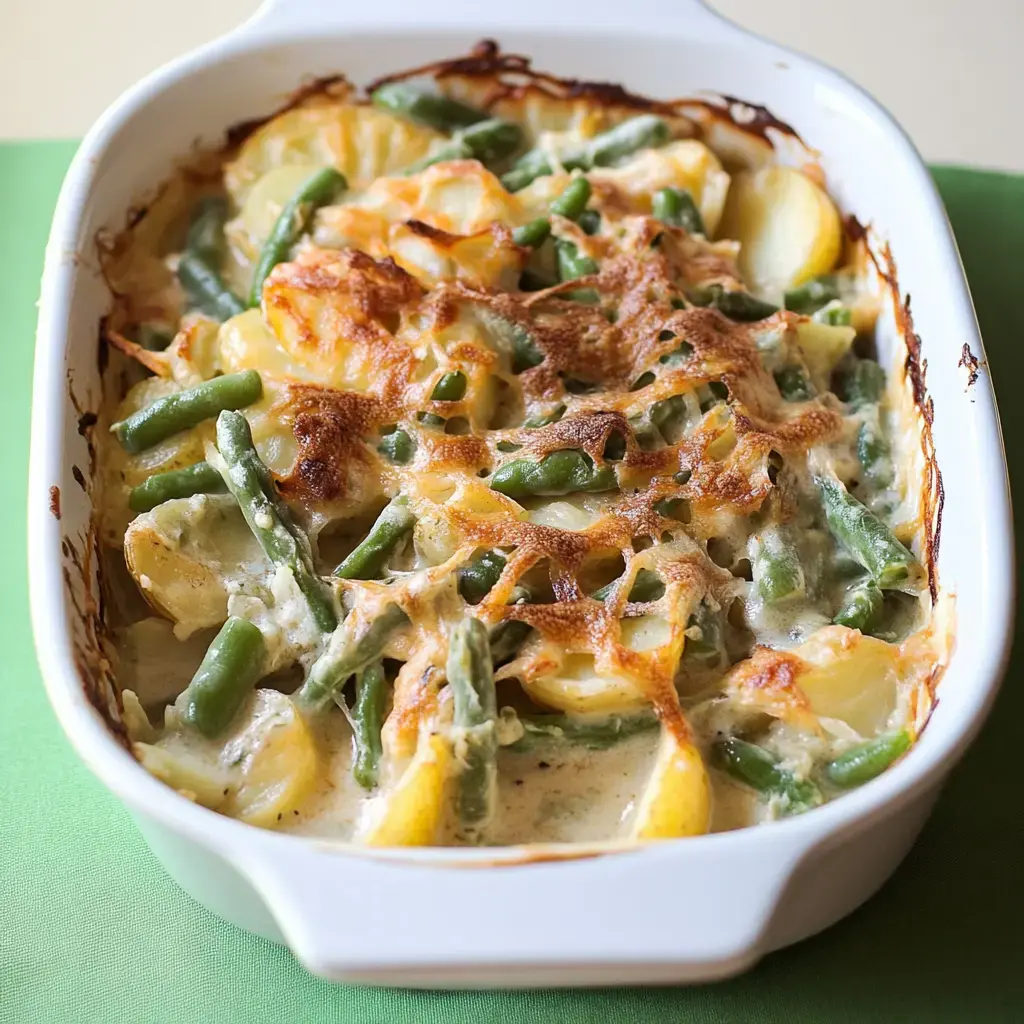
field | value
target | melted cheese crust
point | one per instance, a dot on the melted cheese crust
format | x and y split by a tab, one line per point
406	278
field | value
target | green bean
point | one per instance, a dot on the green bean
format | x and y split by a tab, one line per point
349	650
284	544
643	132
647	586
614	447
470	674
477	579
450	388
534	280
834	314
645	433
813	294
198	266
713	393
365	561
675	206
740	306
673	508
506	639
201	478
572	200
777	570
755	767
571	203
532	234
604	149
589	221
706	648
864	384
860	607
571	263
486	141
424	106
367	721
863	762
865	536
186	409
397	446
874	453
543	420
230	669
512	338
670	416
587	731
561	472
793	384
321	189
678	355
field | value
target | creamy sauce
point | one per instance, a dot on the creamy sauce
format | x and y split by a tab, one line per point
713	434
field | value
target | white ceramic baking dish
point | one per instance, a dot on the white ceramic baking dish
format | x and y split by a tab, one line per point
685	910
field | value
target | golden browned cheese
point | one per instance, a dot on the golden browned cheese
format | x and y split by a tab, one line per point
407	277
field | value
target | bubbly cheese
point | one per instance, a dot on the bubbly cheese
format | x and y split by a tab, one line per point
678	570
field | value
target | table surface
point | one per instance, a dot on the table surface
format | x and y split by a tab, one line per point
948	70
91	930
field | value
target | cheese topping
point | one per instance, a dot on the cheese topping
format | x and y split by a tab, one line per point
645	449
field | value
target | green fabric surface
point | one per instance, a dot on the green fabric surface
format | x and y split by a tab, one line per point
91	930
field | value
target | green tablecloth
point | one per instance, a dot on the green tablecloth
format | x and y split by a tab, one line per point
92	931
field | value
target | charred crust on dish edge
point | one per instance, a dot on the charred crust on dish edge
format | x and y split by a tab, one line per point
970	362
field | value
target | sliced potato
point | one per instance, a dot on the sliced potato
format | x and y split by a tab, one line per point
185	553
245	342
154	663
822	346
262	770
360	141
190	770
486	260
788	228
677	800
577	687
413	812
278	761
851	677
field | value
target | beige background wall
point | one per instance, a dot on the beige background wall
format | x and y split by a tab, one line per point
948	69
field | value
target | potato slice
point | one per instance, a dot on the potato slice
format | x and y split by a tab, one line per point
263	769
190	770
414	810
677	800
154	663
360	141
278	761
576	686
187	554
822	346
851	677
788	228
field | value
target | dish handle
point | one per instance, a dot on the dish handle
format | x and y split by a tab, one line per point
672	911
298	16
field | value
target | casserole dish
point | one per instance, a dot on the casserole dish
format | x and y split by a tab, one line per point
387	918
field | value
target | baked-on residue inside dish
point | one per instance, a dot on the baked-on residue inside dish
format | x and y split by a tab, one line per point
492	465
